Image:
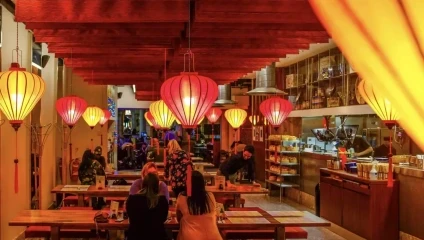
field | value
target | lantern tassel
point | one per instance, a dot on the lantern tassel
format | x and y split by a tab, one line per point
188	183
213	131
390	173
16	176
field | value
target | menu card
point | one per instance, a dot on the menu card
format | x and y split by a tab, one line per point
237	220
100	182
286	213
75	188
114	207
220	180
243	214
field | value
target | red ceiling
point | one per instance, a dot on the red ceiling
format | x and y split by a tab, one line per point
124	42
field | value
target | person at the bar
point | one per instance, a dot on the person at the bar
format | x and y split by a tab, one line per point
236	162
361	147
176	166
149	167
197	213
147	211
384	149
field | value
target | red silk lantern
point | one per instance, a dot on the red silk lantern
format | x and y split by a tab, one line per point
71	108
106	116
275	110
213	114
189	96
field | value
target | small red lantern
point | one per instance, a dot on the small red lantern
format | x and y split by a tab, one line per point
105	118
189	96
151	120
275	110
213	114
71	108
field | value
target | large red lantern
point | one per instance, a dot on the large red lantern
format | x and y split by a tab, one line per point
275	110
189	96
71	108
105	118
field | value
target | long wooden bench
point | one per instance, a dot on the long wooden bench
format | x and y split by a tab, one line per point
44	231
291	232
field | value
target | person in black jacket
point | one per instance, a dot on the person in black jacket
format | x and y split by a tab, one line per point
147	211
231	166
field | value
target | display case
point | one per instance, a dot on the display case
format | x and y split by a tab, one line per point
282	162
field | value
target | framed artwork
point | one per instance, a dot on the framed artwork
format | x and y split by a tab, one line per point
255	133
261	133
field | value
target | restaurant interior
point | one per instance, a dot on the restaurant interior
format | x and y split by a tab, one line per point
316	103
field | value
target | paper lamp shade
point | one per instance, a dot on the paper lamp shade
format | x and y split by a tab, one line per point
275	110
254	119
235	117
92	116
151	120
213	114
200	121
380	104
20	91
70	109
189	96
162	114
383	40
106	116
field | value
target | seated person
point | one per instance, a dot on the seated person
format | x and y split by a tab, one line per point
384	149
361	146
149	167
147	211
236	162
196	213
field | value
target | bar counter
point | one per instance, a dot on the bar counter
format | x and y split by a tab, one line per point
411	190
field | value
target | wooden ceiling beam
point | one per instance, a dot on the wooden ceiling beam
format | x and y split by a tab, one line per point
259	17
110	33
258	33
248	6
97	40
101	11
70	26
254	26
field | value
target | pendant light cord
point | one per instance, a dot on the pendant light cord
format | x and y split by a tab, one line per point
189	53
17	42
72	67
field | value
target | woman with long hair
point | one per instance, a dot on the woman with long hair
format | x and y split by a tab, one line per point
149	167
197	213
177	164
87	172
147	211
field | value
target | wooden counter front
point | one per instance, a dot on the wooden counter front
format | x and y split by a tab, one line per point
365	207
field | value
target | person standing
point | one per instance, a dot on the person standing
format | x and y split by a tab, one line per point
236	162
176	167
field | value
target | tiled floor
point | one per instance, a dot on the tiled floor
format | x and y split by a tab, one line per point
273	204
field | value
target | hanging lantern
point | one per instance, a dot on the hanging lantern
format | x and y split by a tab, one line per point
151	120
106	116
162	114
201	120
213	114
254	119
189	96
381	105
275	110
384	109
20	91
71	108
235	117
389	34
92	116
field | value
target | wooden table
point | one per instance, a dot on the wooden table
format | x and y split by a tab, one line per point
134	175
83	219
123	191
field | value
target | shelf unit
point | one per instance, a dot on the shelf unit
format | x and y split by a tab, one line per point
288	171
322	81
